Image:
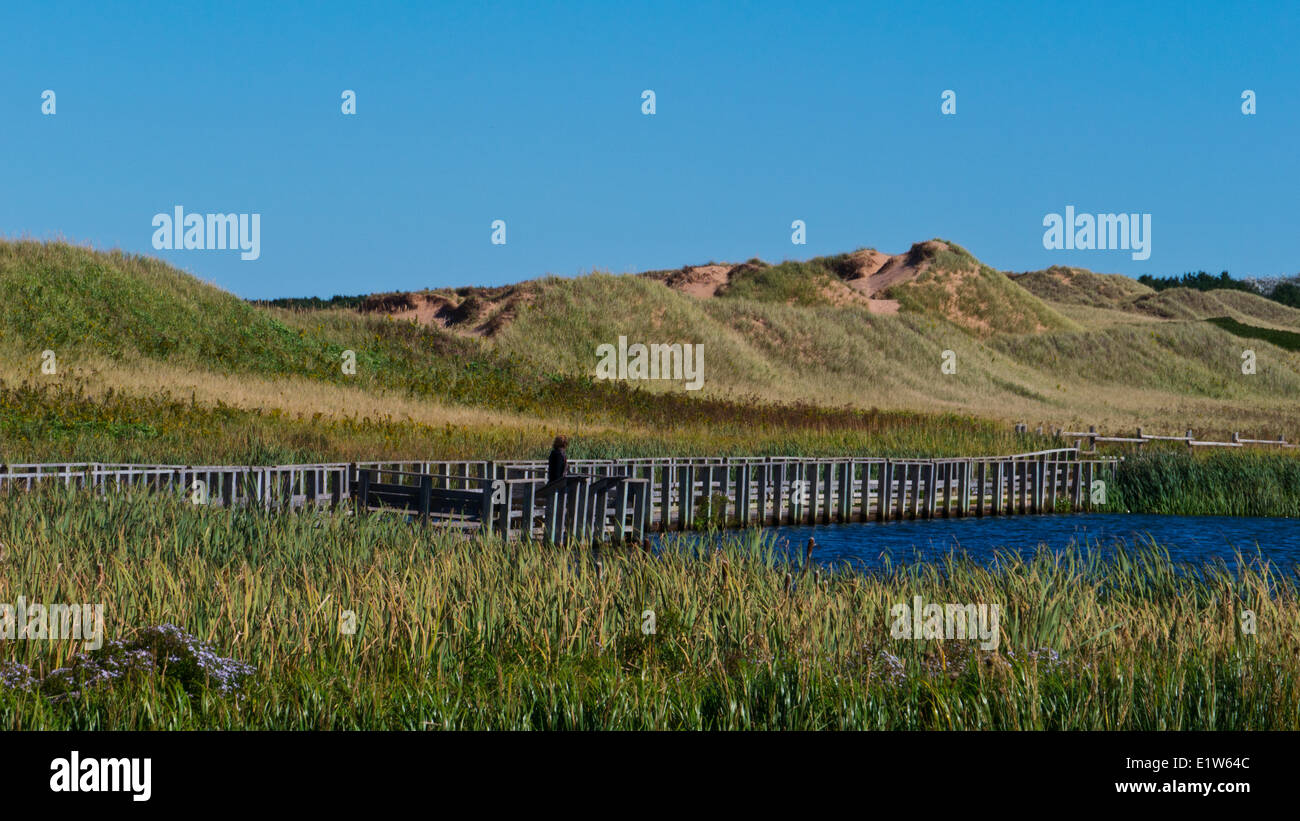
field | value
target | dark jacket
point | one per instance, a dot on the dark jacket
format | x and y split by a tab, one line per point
557	465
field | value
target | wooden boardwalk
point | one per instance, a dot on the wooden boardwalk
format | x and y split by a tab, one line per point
624	499
1091	438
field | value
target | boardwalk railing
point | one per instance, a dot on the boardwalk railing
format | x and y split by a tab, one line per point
270	487
1092	439
623	499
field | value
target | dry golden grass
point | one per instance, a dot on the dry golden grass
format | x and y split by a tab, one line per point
97	376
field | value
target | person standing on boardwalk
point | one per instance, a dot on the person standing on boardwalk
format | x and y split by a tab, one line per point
558	464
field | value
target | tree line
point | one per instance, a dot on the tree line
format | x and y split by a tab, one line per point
1286	292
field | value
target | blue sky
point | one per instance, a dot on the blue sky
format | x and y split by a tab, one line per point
531	113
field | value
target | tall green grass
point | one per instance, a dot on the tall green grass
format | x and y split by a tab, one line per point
1287	340
462	632
1219	483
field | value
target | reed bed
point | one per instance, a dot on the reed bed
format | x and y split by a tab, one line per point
461	632
1219	483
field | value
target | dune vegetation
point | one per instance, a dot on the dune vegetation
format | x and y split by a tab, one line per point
465	633
150	363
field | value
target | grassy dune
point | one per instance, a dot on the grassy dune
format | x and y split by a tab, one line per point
1078	286
976	297
152	361
462	633
1174	374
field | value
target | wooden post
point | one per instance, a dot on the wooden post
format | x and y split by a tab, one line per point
568	526
898	490
963	488
426	496
620	511
686	494
679	494
995	503
797	482
363	492
591	500
550	528
742	495
485	506
778	493
530	503
726	491
641	519
1039	487
863	482
824	511
948	489
763	471
903	470
1021	485
915	505
665	495
1008	492
884	491
931	488
845	512
979	488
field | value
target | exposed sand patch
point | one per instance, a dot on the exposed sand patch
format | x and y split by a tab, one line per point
899	268
467	311
701	281
867	274
867	262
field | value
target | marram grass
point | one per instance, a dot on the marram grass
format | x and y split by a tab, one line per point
458	632
1217	483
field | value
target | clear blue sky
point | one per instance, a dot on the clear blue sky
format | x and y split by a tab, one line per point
531	113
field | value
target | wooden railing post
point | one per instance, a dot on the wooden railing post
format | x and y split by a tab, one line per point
363	492
884	490
426	497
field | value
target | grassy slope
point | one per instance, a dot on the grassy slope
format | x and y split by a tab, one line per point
1062	286
958	286
1077	286
226	380
229	380
1134	371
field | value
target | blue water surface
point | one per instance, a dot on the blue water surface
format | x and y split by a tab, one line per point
1192	539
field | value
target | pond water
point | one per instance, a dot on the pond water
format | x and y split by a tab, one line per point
1195	539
